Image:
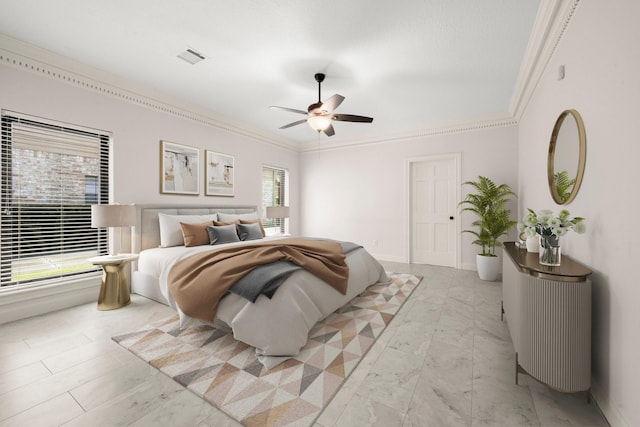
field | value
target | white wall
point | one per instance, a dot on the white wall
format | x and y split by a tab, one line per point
360	193
601	53
137	132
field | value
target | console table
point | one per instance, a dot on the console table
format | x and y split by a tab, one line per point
548	311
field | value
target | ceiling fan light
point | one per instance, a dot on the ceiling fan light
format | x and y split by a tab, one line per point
319	122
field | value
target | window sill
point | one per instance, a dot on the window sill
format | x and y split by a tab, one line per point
19	302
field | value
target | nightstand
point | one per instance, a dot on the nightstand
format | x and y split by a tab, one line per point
114	291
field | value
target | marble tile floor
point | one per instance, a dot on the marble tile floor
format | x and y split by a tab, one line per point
445	360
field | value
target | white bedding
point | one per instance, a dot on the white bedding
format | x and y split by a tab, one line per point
153	261
278	327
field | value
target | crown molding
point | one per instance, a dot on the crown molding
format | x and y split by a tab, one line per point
549	27
24	56
451	128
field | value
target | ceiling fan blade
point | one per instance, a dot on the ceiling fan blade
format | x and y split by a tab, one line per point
330	131
332	103
293	110
293	124
351	118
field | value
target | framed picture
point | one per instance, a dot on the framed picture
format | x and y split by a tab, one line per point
179	169
219	174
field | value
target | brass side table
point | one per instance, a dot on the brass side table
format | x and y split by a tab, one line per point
114	291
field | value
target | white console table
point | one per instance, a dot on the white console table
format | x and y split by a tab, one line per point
548	311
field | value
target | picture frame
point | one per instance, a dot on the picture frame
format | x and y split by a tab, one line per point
179	169
219	174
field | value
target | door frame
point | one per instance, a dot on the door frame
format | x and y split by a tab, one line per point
409	200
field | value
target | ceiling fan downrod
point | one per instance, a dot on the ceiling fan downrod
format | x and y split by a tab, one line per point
319	78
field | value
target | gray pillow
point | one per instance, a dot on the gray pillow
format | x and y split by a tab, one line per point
249	231
222	234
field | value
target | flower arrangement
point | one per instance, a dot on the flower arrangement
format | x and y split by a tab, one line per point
549	226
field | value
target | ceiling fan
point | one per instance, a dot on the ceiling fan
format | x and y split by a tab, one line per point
320	114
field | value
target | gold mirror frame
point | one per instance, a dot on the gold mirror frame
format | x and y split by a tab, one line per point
582	157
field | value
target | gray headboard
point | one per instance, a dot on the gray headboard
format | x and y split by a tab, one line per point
146	233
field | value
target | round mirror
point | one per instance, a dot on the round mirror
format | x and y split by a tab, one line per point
567	157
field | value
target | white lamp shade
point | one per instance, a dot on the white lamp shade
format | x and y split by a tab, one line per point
113	216
278	212
319	122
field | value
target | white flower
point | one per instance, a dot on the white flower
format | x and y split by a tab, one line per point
544	215
554	222
549	226
579	227
530	220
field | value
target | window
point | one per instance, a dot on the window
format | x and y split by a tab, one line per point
275	184
91	190
50	175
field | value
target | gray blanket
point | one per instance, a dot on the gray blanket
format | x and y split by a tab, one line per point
266	279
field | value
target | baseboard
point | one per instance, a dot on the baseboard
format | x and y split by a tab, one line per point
19	303
389	258
608	408
468	266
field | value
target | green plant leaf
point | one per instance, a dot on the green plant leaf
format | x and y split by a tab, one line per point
488	204
563	184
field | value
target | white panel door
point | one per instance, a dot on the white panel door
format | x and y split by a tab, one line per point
433	211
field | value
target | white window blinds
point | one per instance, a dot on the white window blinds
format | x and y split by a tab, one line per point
51	174
274	193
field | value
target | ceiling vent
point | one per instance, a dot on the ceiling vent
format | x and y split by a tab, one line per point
191	56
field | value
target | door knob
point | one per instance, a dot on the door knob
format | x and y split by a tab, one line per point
451	217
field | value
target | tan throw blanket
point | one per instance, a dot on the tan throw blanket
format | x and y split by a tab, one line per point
198	282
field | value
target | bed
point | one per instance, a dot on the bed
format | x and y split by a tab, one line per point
276	325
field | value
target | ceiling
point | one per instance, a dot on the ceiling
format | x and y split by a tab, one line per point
410	64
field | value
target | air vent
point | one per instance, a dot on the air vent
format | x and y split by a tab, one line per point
191	56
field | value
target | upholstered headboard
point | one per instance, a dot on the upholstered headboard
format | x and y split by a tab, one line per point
146	233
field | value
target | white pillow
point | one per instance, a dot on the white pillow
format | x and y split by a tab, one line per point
224	217
170	230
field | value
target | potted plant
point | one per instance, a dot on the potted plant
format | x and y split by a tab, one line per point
488	203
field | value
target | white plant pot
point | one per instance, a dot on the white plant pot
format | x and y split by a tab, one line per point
488	267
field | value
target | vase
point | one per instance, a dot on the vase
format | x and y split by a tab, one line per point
550	252
533	243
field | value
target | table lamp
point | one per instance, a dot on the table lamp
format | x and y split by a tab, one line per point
278	213
113	216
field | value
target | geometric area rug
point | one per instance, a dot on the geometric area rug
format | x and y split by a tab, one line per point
210	362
